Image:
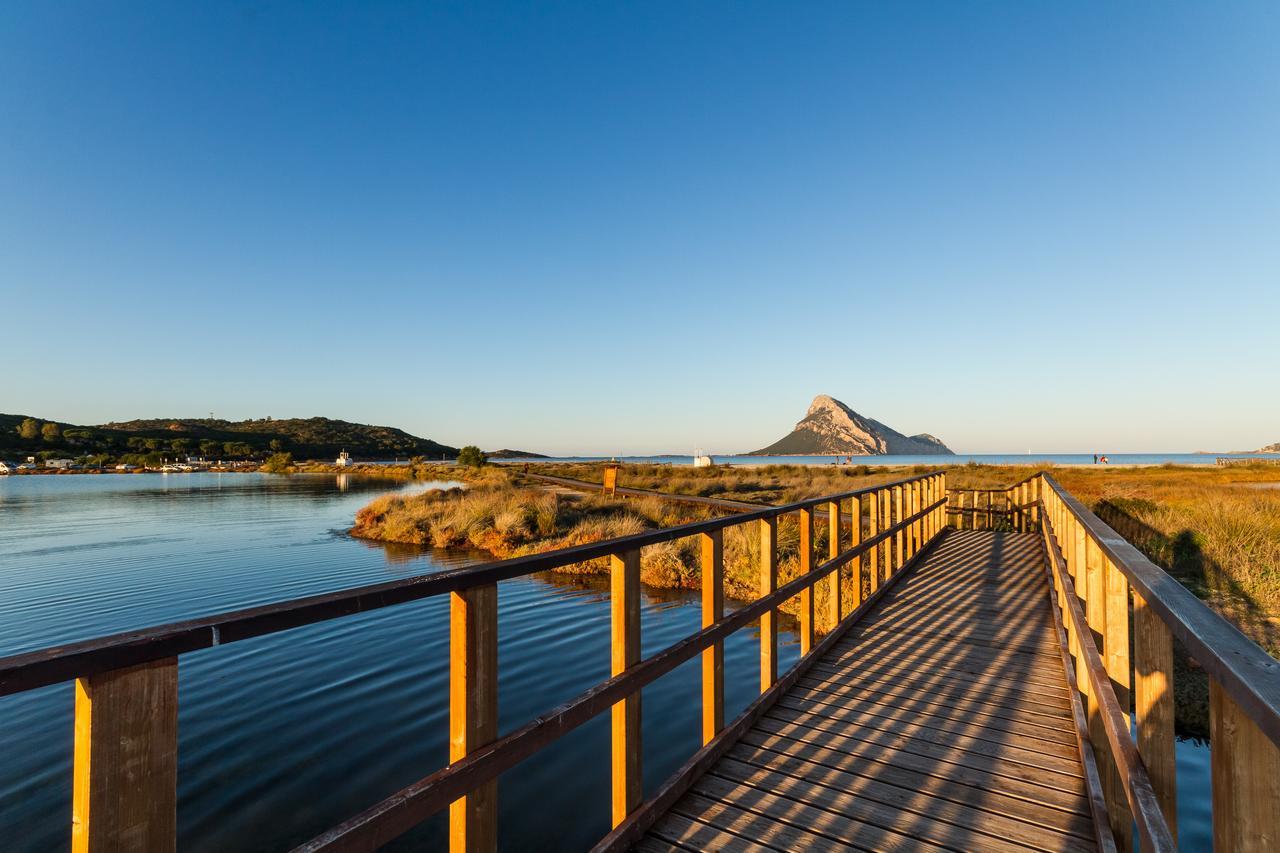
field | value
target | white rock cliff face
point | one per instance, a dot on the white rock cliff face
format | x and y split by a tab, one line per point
832	427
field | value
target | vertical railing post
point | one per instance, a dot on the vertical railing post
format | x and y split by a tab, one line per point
806	566
855	539
1153	705
768	619
125	777
942	493
833	551
625	648
886	523
712	656
1244	765
926	499
898	538
473	711
1108	600
913	498
873	530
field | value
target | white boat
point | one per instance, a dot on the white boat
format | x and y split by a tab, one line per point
344	459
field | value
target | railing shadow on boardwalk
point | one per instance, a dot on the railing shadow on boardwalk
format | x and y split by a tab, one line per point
955	753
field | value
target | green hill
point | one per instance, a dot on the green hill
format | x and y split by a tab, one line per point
305	438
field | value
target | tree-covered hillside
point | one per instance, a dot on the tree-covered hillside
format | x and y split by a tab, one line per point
305	438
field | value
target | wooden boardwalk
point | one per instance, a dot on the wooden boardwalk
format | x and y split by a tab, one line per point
942	722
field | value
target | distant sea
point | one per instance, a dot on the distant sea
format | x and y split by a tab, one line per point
925	459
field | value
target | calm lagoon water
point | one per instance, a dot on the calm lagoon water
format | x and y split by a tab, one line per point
281	737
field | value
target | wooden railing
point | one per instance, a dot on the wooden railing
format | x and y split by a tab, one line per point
1118	615
126	732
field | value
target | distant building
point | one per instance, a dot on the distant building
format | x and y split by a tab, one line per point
343	460
5	467
124	466
59	463
701	460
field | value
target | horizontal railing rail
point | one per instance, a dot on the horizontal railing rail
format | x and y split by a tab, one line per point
126	683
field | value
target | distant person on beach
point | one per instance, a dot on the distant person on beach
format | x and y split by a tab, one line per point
1104	460
1095	459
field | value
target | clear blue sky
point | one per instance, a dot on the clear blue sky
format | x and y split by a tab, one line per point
641	227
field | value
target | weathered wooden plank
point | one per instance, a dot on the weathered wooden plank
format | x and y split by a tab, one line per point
940	706
676	828
850	753
903	746
778	833
853	831
927	818
851	773
880	714
973	674
924	740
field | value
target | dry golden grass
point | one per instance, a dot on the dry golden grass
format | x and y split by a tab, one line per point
763	484
508	520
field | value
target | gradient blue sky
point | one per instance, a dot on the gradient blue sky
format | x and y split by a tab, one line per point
647	227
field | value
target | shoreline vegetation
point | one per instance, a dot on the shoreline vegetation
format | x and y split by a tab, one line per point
1213	529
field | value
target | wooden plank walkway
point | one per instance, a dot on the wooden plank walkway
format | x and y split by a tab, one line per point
942	722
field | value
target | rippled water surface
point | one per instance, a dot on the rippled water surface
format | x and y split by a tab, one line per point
281	737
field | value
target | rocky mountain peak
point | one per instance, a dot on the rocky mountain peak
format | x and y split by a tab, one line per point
831	427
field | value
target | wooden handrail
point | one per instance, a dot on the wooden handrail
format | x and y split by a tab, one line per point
1152	826
1095	572
1249	675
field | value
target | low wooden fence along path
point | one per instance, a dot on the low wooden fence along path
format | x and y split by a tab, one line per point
970	678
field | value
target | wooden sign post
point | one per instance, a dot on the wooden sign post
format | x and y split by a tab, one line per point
611	477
